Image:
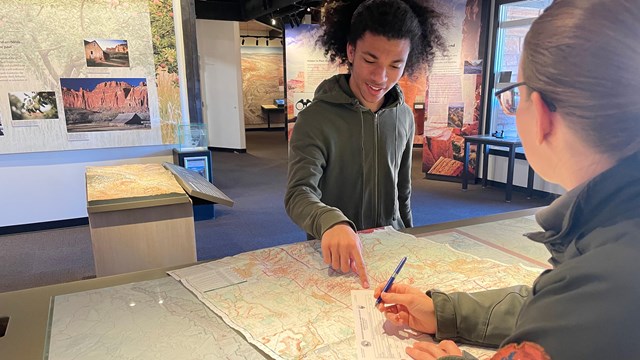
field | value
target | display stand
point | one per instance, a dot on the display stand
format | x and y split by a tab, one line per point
131	232
198	160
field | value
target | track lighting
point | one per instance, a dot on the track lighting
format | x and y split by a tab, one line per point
258	37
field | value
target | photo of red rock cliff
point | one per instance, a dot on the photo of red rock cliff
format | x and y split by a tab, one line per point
105	104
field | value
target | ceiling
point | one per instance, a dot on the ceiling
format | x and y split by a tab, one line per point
283	11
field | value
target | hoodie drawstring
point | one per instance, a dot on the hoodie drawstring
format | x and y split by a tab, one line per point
396	166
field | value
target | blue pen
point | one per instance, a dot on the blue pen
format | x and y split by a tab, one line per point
391	279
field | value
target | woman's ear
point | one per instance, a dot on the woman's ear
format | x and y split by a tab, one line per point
543	117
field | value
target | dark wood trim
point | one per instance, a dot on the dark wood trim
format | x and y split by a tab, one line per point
484	49
191	60
284	69
230	150
42	226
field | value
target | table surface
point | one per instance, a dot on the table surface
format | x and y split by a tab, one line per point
492	140
30	309
272	107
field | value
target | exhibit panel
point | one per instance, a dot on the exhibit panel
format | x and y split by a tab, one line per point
262	83
82	75
133	114
453	98
307	66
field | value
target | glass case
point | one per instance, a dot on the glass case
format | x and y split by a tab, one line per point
193	137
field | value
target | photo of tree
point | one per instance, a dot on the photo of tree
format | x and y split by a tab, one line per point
106	53
105	104
33	105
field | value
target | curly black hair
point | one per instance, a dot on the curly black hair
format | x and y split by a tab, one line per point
346	21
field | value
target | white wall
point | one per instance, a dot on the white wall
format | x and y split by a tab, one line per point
498	172
50	186
221	82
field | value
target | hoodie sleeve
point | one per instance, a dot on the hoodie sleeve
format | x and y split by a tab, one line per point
307	161
404	177
483	318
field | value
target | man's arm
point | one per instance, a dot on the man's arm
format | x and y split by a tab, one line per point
307	161
404	179
341	247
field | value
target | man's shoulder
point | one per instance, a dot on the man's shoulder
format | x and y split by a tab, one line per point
319	110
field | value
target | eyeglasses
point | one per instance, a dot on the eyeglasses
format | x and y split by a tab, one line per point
509	98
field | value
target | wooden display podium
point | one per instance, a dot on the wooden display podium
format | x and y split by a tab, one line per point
140	218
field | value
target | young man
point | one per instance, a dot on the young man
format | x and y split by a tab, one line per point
350	153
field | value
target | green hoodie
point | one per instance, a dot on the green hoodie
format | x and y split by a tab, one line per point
348	164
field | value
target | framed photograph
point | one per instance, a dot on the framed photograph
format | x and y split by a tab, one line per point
198	164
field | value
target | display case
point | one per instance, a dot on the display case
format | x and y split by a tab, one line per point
193	137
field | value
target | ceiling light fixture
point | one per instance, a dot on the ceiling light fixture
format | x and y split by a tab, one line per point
273	21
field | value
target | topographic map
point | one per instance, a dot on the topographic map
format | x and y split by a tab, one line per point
128	181
293	306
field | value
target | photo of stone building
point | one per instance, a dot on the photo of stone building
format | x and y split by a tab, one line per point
93	51
106	53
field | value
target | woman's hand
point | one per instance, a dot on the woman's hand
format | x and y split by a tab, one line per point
407	306
429	351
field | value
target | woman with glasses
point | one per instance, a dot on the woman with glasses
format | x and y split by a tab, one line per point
577	108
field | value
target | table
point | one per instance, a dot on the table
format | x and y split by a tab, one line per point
29	309
269	109
510	143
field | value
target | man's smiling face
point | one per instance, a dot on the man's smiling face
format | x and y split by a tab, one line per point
377	63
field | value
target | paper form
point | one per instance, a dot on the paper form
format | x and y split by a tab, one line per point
377	338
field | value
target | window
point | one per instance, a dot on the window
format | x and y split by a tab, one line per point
514	20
